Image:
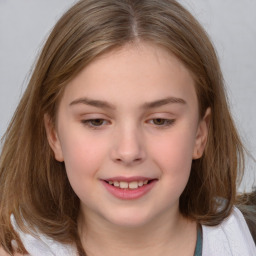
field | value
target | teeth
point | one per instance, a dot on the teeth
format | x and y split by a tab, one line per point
140	183
124	184
130	185
116	183
133	185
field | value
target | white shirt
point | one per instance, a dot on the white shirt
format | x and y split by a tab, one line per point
230	238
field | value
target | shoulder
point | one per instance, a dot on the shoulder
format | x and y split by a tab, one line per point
231	237
40	244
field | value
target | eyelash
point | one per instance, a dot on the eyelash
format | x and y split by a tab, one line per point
90	124
165	122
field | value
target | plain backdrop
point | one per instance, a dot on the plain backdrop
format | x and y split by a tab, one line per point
25	24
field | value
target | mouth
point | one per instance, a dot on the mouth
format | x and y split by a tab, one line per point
132	185
129	188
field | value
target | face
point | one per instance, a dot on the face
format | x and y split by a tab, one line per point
127	129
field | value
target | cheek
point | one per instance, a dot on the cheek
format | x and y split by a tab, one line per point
173	153
174	158
83	156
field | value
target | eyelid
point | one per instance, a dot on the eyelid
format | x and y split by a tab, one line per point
168	119
93	116
89	123
166	122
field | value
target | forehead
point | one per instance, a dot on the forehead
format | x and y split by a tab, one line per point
135	72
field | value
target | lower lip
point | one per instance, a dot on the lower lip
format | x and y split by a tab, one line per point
129	194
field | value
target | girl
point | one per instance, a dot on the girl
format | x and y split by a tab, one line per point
123	143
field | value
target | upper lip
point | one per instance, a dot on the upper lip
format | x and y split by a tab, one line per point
129	179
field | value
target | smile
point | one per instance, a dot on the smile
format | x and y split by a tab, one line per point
128	185
128	189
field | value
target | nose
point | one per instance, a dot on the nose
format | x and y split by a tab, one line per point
128	147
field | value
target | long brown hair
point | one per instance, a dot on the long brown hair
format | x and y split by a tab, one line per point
34	186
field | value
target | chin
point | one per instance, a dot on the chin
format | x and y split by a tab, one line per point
129	220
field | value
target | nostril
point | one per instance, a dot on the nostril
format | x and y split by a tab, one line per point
127	148
128	160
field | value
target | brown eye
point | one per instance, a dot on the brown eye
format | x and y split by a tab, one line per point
159	121
97	122
162	122
94	122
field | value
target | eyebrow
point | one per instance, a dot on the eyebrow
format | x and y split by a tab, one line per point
147	105
92	102
162	102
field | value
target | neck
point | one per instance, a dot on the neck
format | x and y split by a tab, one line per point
163	236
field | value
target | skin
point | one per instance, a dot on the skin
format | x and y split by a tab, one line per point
130	136
4	253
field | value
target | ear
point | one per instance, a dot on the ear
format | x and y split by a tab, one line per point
53	138
202	135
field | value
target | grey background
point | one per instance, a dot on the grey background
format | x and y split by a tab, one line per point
231	24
